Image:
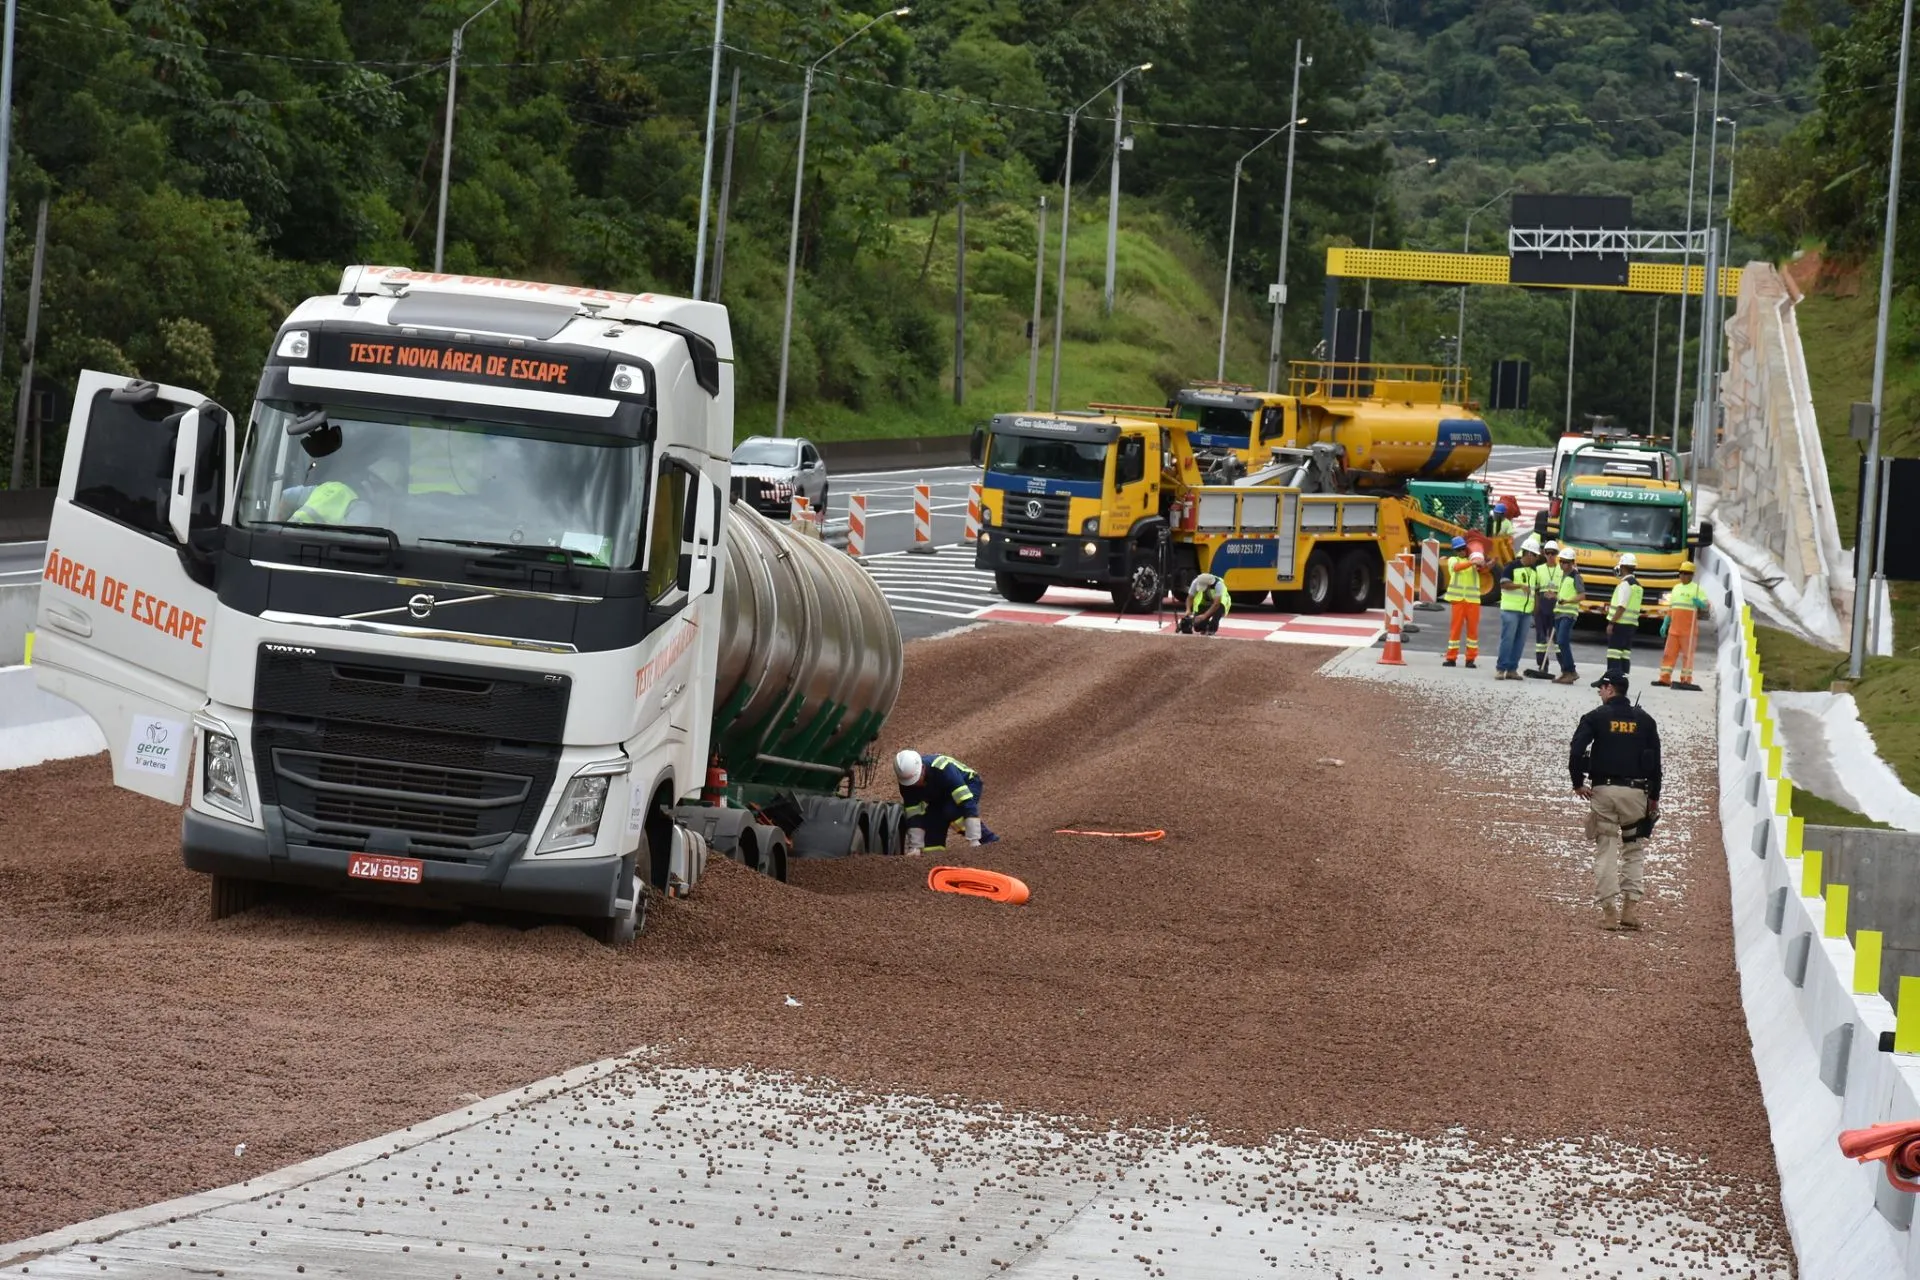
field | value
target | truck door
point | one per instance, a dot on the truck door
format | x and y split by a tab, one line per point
125	617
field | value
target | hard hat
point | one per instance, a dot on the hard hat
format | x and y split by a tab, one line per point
1458	543
1627	561
1553	547
1500	506
1568	553
1478	557
907	766
1686	566
1531	544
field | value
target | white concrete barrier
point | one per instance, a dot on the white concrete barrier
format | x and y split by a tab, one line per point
1816	1041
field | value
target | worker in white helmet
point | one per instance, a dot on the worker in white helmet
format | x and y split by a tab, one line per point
937	794
1546	597
1623	616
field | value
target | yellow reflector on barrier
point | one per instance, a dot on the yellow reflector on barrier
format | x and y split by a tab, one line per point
29	658
1866	962
1784	807
1836	912
1796	831
1810	873
1906	1015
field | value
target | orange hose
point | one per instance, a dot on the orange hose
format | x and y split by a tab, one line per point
1896	1144
978	883
1118	835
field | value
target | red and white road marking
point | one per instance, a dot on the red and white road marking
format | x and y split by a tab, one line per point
1078	607
1516	486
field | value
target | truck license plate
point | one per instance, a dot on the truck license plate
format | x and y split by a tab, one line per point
379	866
1030	553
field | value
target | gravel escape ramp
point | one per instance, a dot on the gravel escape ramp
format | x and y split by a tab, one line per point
1318	947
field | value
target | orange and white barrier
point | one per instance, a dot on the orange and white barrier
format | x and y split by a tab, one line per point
1399	585
857	525
1429	596
973	513
800	511
923	518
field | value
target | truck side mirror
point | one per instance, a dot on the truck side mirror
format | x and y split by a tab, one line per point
1540	480
1706	533
977	446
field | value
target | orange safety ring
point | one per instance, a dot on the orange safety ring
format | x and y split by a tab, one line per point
1118	835
978	883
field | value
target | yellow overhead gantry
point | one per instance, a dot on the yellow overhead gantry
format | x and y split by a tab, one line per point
1487	268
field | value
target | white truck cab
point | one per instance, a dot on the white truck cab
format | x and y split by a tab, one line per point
441	620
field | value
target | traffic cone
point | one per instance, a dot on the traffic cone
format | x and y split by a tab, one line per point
1390	656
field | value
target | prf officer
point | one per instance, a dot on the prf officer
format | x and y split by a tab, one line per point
1615	763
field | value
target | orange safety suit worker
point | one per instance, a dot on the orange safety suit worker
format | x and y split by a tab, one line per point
1686	605
1466	584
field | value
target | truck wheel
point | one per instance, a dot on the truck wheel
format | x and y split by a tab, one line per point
1018	590
229	896
1356	573
619	929
1316	584
1143	592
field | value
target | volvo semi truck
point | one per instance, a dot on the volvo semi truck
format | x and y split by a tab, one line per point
460	613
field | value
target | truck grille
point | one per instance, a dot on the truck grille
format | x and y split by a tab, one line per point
1032	513
433	760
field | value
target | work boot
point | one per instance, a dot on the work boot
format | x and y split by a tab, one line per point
1471	664
1609	915
1566	677
1630	914
1449	663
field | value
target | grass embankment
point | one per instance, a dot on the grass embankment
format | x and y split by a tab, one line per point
1836	324
1164	331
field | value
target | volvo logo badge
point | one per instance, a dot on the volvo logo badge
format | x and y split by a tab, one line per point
421	606
1033	510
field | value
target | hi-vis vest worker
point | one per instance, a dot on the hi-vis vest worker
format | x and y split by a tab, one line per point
1208	601
937	792
1623	616
1615	763
1566	609
1546	596
1466	583
1686	606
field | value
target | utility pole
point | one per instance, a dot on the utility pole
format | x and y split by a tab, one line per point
706	165
26	364
1708	352
1233	223
1033	326
960	284
446	140
726	192
6	152
1286	225
1686	260
1113	190
1573	321
1863	557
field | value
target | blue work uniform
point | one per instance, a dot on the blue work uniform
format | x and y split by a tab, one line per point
948	792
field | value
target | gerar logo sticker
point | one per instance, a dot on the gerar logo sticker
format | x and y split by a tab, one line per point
155	745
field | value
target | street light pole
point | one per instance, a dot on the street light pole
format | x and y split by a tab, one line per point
1707	353
1113	190
1066	229
793	231
1233	222
446	141
1863	556
1460	322
1286	224
1686	259
706	165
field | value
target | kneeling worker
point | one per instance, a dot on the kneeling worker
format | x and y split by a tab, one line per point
937	792
1208	601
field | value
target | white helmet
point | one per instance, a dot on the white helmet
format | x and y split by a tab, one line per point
1627	561
907	766
1531	544
1552	547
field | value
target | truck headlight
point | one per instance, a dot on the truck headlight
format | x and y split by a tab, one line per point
1090	526
294	344
223	781
576	819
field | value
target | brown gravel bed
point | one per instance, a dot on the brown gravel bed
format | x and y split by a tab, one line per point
1331	948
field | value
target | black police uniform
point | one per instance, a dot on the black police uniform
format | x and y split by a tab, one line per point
1617	745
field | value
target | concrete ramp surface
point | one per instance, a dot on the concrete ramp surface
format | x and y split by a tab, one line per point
628	1169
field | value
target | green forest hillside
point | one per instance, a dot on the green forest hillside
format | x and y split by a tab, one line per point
207	163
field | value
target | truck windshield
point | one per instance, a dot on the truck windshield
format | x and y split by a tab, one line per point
1220	422
1049	459
1624	526
431	480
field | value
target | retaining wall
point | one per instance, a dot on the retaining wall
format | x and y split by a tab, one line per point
1769	471
1816	1024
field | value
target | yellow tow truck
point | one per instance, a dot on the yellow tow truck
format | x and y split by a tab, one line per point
1137	501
